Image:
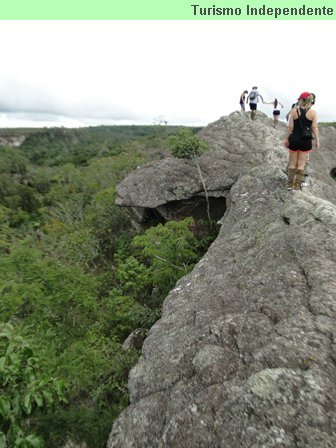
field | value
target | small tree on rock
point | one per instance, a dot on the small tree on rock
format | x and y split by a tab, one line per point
187	145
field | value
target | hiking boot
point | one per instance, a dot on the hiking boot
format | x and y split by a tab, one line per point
291	175
298	179
304	183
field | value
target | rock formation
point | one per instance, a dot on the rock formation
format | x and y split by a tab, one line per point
11	140
244	354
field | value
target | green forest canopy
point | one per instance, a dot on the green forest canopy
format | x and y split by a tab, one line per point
76	279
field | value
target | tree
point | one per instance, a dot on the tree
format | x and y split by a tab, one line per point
24	390
187	145
169	251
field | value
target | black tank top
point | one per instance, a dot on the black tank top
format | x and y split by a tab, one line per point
304	120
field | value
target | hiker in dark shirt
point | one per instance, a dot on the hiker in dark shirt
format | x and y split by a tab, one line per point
302	120
288	114
305	180
242	100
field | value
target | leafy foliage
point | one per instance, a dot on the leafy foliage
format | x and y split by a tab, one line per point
58	146
76	279
187	145
23	390
169	251
16	191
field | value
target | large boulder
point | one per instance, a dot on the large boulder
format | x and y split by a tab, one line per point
235	147
244	354
171	188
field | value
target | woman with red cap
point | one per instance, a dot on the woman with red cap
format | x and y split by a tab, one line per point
302	128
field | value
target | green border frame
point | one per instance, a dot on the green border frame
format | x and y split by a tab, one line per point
167	10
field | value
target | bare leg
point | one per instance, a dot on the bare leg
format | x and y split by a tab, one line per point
305	180
302	160
293	159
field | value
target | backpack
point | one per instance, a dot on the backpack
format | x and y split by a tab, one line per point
306	131
253	95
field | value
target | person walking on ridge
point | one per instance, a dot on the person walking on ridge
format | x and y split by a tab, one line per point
302	128
306	175
242	100
276	111
253	99
288	113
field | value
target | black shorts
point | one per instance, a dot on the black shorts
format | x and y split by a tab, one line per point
295	143
253	106
276	112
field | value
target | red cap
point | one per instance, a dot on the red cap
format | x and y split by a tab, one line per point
304	95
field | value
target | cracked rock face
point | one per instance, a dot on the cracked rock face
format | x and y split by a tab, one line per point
244	354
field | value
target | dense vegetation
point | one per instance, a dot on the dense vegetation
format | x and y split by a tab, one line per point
76	279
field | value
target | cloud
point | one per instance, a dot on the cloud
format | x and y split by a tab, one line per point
31	100
191	72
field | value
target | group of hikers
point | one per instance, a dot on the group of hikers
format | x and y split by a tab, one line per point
302	129
253	100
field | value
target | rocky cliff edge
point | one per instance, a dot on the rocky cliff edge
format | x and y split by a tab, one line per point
244	354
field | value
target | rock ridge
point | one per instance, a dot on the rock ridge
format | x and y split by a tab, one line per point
244	354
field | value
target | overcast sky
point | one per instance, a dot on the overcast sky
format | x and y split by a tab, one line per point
80	73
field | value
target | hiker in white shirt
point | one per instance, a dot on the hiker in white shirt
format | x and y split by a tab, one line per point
253	100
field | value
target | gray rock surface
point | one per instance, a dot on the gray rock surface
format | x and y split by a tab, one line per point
12	140
236	147
135	339
244	354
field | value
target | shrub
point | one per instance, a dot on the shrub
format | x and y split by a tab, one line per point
187	145
24	390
